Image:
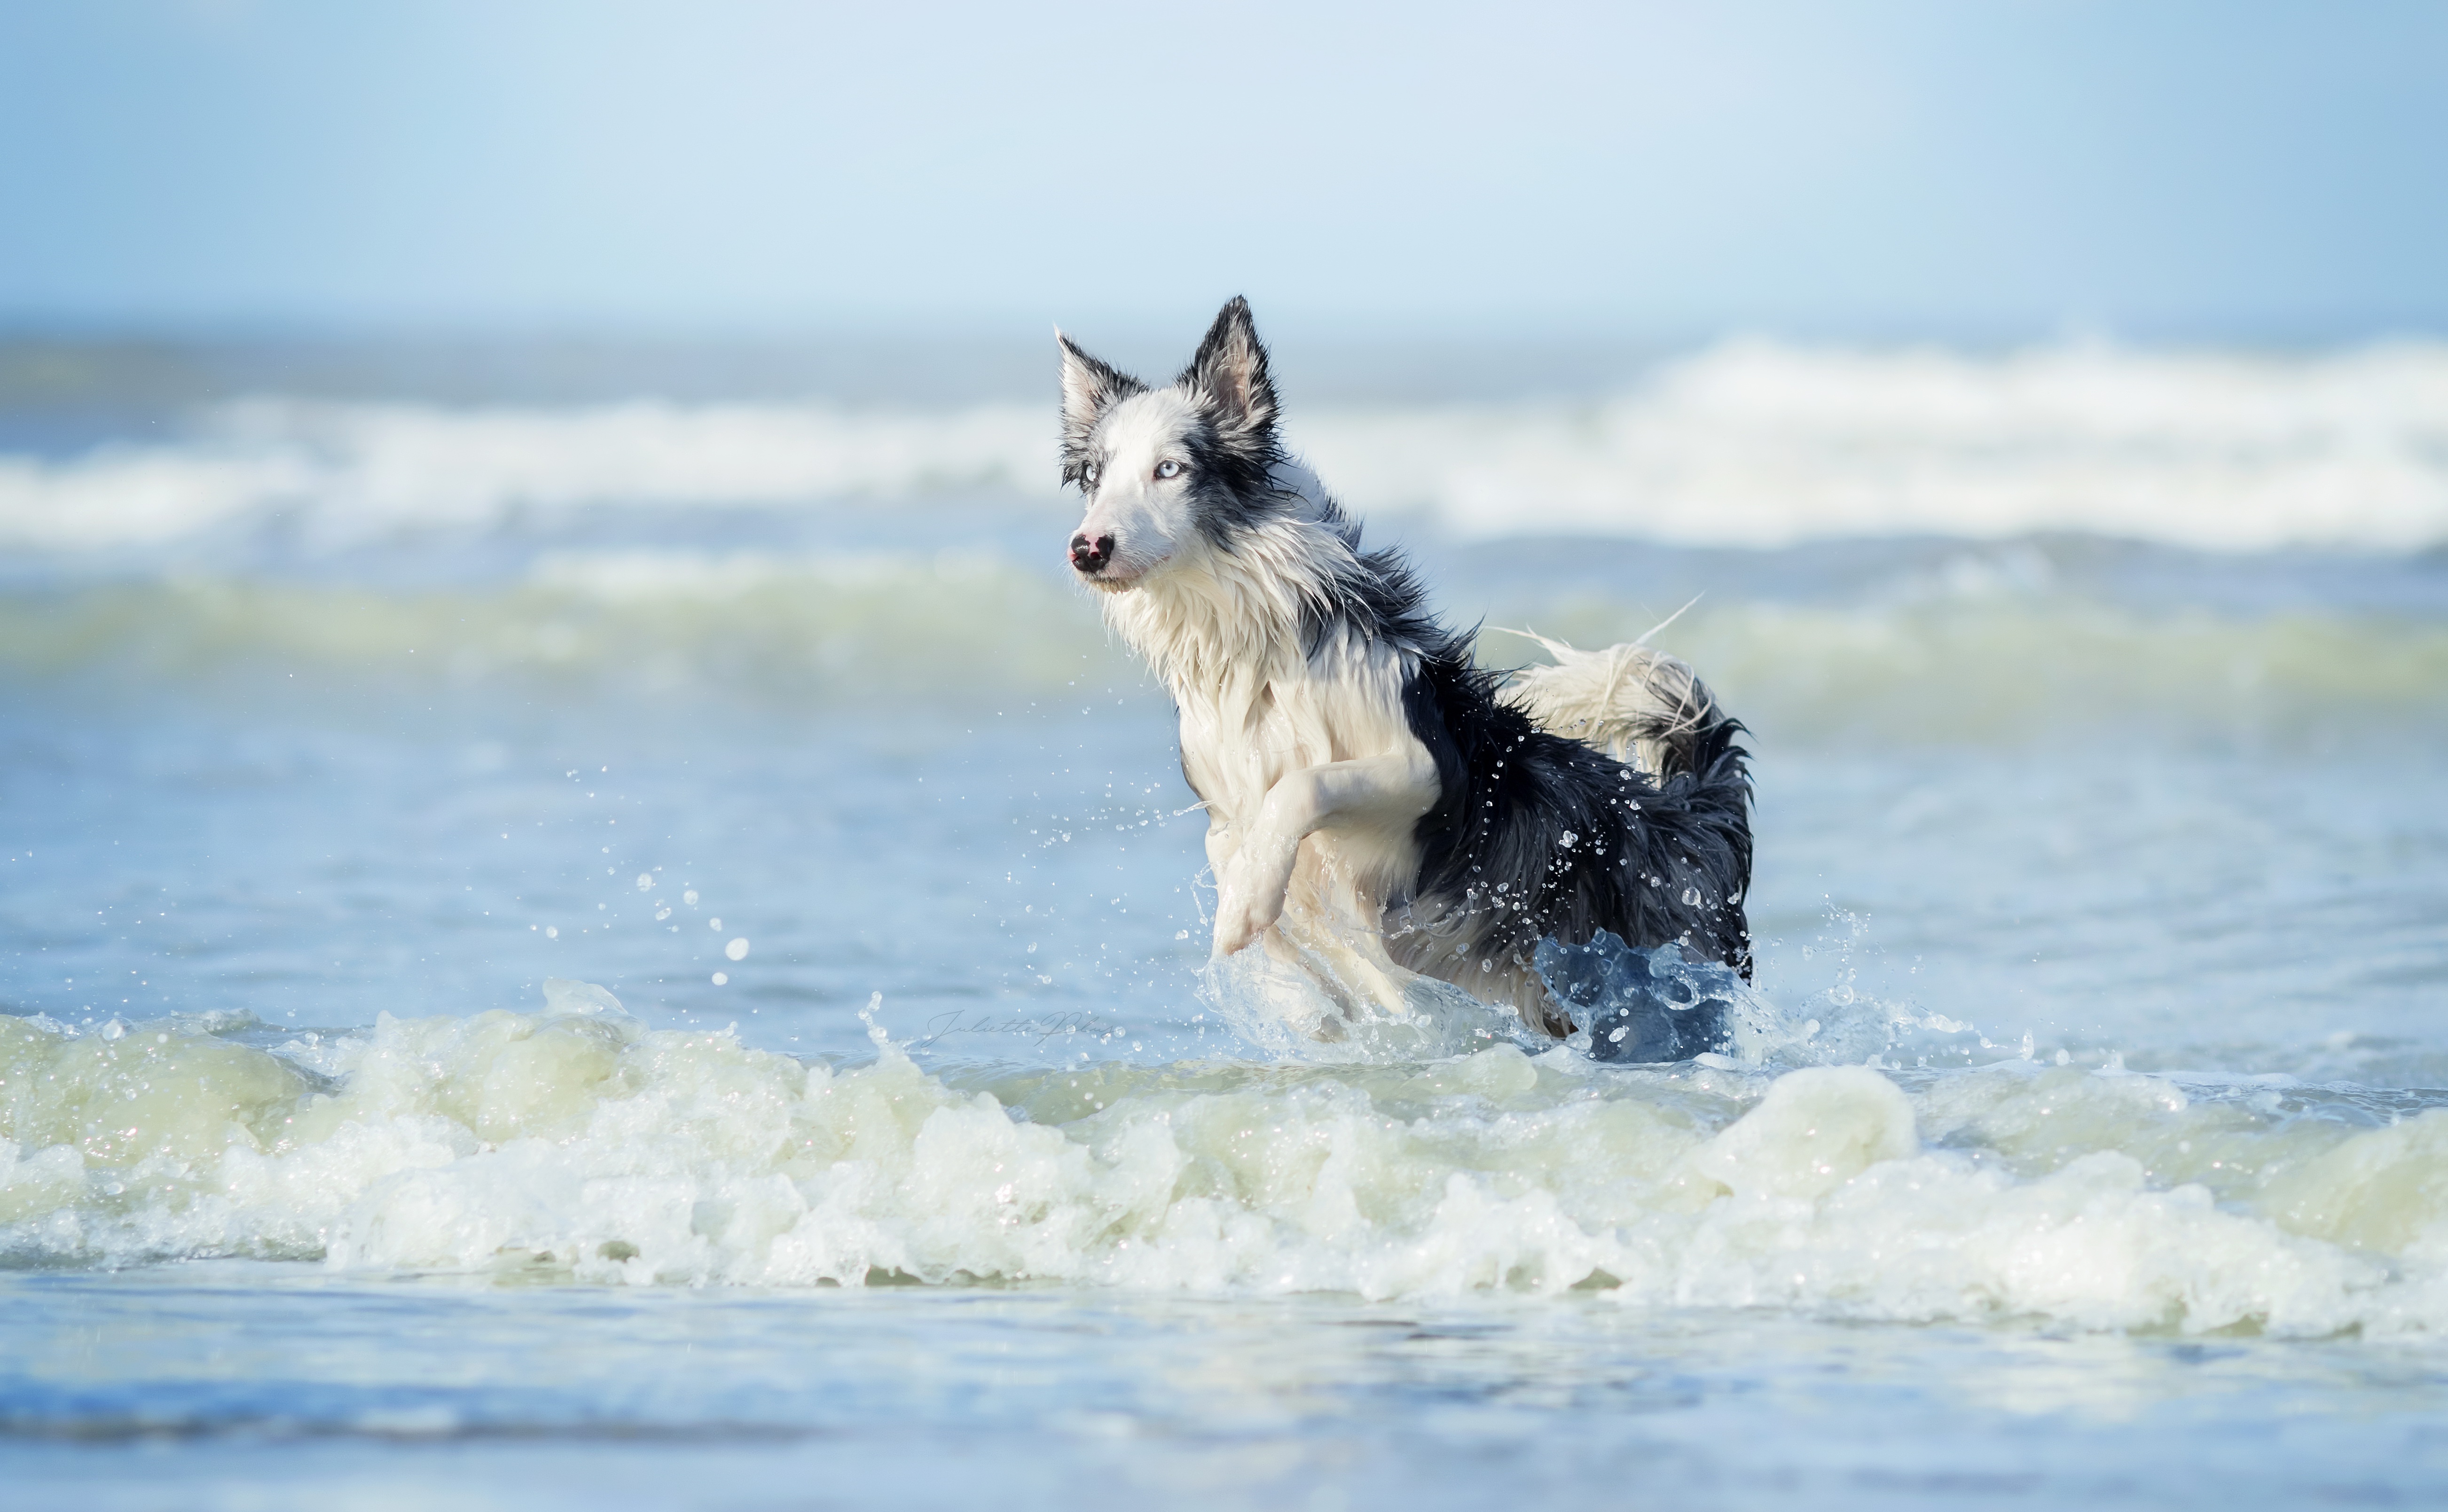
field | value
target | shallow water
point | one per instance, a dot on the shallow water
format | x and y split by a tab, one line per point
705	1003
222	1386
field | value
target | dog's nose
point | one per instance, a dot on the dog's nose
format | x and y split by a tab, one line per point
1091	556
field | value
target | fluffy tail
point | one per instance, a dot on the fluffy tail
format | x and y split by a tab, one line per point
1636	705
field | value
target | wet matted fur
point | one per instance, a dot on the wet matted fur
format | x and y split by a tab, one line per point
1380	807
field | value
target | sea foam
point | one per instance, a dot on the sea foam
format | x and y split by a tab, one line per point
578	1143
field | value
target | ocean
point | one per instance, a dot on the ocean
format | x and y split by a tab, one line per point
586	923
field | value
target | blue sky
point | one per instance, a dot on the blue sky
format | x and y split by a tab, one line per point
1870	169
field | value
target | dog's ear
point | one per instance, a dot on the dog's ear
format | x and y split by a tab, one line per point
1231	371
1089	389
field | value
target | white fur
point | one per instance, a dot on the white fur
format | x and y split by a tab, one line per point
1313	781
1628	700
1148	517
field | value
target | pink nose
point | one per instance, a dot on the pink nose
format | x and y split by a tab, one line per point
1091	556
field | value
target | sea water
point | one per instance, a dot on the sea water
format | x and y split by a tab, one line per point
560	947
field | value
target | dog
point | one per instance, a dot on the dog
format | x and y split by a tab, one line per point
1379	809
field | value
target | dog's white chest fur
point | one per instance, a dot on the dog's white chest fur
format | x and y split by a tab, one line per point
1242	736
1250	725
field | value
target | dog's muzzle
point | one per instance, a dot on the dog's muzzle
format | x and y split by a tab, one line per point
1091	556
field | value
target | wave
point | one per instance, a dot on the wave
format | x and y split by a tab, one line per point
1748	443
1974	662
351	472
577	1144
756	626
1759	444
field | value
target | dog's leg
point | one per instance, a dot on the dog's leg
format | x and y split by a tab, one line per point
1223	844
1384	791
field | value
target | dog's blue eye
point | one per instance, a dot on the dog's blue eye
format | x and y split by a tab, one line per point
1168	469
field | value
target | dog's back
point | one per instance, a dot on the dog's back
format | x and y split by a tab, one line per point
1551	826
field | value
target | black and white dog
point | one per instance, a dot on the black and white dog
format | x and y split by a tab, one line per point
1379	809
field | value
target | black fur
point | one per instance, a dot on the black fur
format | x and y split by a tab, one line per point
1653	862
1235	450
1230	485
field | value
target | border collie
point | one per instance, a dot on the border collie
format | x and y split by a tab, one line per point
1379	809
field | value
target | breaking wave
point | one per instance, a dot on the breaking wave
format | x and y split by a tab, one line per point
784	628
577	1144
797	630
1760	444
1746	443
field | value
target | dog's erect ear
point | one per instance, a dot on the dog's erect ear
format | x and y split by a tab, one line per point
1231	371
1089	389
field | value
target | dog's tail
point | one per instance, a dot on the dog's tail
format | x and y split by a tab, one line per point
1635	703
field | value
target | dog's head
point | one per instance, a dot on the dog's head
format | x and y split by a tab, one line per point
1162	468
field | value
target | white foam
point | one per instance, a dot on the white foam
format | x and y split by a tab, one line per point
1746	443
352	471
576	1143
1760	444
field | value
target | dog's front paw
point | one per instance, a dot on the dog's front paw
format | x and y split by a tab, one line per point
1236	927
1244	911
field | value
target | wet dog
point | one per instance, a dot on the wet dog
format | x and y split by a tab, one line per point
1379	808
